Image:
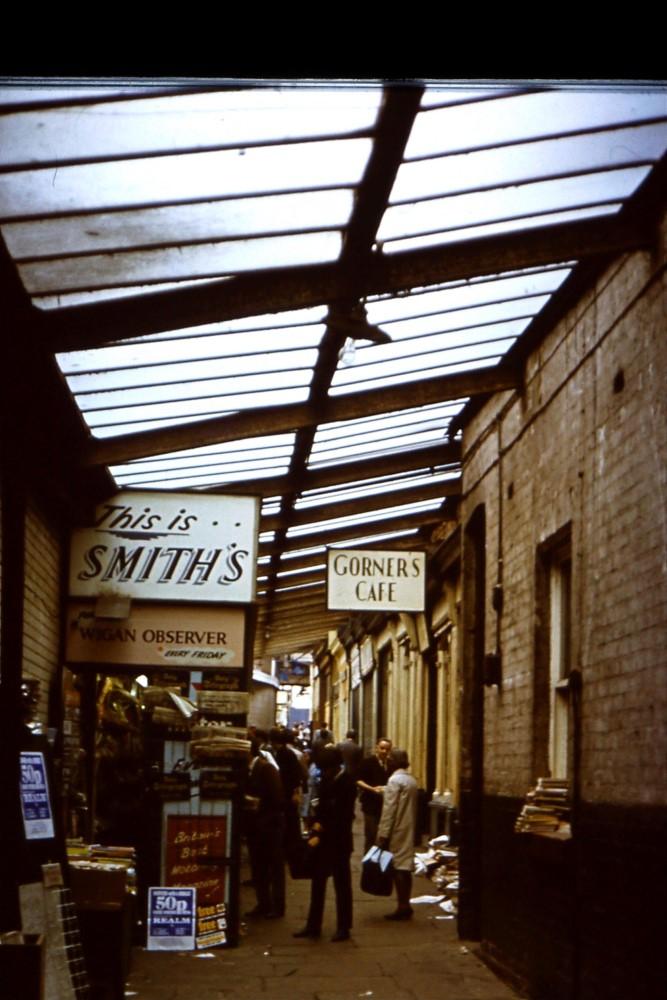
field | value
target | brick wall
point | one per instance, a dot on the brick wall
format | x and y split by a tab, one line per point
41	625
585	445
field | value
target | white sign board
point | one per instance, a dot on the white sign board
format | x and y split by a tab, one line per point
171	919
168	546
164	635
375	580
35	800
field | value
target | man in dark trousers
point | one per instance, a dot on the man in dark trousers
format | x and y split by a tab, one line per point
371	778
265	830
292	776
331	842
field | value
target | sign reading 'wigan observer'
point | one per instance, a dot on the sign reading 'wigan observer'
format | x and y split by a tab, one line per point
168	546
375	580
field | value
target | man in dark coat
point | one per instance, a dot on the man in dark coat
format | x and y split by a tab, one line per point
265	830
331	841
372	776
292	776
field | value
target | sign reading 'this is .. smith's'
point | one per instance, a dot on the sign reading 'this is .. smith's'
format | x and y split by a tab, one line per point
168	546
375	580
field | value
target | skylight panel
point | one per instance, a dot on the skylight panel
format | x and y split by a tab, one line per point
63	299
368	380
462	211
528	116
437	355
146	417
185	178
123	357
373	488
210	475
141	266
520	163
181	121
396	510
457	325
247	449
179	224
522	223
385	429
293	573
380	422
333	453
248	371
466	294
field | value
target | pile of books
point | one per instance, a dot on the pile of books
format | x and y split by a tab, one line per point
547	808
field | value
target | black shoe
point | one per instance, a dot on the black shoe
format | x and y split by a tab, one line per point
306	932
341	936
274	914
399	914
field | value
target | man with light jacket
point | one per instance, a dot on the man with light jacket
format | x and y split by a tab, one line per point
396	829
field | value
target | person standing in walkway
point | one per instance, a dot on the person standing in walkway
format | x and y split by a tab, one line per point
292	777
331	842
371	778
264	820
352	753
396	829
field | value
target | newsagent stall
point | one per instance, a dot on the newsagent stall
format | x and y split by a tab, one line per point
171	669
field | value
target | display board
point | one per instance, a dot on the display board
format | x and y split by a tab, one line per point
197	852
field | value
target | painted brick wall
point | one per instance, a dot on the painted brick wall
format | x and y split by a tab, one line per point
587	443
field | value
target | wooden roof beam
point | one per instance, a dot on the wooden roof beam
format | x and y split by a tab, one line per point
278	419
92	325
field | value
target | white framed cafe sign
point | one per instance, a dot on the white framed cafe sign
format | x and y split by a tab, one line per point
168	547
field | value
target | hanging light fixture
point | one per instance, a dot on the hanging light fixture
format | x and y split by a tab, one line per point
355	326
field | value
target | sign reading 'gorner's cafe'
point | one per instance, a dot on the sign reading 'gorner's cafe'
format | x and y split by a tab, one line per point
168	546
375	580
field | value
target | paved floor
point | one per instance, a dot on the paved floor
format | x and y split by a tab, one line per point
418	960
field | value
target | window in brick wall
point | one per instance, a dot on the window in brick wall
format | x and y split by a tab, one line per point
553	655
560	600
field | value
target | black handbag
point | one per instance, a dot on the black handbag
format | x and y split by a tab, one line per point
377	872
301	859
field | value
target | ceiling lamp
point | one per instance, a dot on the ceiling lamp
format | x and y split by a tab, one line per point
355	326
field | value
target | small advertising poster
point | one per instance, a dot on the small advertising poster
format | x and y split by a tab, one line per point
292	670
171	919
35	801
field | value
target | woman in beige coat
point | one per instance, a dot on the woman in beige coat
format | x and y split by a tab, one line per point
396	831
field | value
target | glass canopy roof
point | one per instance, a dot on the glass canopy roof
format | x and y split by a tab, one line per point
294	290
